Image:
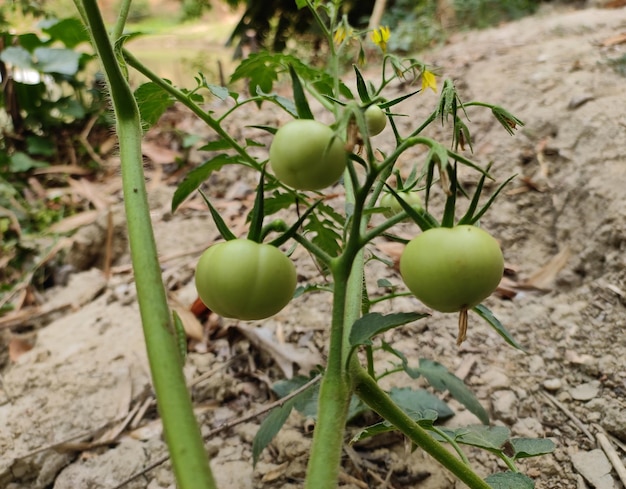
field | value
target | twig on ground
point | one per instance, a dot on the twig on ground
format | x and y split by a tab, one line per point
224	427
577	422
611	454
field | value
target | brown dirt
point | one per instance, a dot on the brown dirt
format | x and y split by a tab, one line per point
88	366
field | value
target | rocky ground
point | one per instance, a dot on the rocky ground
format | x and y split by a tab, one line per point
562	226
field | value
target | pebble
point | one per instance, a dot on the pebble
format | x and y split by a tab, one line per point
552	385
595	468
586	391
504	405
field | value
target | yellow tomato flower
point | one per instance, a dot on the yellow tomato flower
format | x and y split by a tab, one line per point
429	80
341	33
380	36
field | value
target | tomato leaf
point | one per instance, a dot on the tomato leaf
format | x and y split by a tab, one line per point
269	428
361	87
422	218
302	105
395	101
369	325
424	418
258	213
415	402
473	219
448	213
510	480
442	379
290	233
531	447
225	232
198	175
488	316
491	438
153	101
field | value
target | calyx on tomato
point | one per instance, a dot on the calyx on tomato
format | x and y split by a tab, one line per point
452	269
307	155
245	280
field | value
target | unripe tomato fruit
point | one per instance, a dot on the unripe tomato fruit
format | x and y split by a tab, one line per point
450	269
245	280
307	155
376	120
392	205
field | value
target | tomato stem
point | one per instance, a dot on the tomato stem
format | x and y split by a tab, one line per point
182	433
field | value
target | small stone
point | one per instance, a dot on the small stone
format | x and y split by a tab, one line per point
504	405
586	392
595	468
552	385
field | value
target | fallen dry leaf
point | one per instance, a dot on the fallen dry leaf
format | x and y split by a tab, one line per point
543	278
285	354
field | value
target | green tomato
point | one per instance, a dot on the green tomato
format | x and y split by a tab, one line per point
307	155
376	120
245	280
450	269
393	207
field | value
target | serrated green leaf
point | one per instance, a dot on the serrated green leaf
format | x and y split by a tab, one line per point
441	379
375	323
418	401
488	316
302	105
488	437
269	429
198	175
279	201
531	447
510	480
153	101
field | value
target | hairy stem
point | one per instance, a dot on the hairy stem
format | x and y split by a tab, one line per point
182	434
371	394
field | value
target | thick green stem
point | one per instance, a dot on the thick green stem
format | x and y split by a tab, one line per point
371	394
182	434
334	397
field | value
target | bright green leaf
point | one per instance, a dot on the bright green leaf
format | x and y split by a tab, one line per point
21	162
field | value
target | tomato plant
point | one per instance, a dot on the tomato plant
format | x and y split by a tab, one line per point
307	155
245	280
450	269
375	119
391	205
